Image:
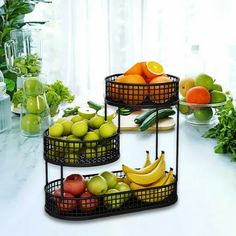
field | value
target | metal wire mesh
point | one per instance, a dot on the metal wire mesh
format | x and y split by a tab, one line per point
141	95
81	153
82	208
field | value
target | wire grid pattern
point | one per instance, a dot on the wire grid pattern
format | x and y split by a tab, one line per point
129	94
82	208
81	153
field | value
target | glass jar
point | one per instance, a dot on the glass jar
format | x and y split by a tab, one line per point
5	106
35	114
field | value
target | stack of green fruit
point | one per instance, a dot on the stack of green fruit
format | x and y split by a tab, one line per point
85	132
108	183
200	95
35	112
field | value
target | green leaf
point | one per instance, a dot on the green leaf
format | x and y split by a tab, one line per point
19	25
20	8
219	149
10	84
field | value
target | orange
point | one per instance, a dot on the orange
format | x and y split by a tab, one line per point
114	90
198	95
152	69
134	91
163	92
136	69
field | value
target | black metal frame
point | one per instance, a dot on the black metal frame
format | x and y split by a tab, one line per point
168	193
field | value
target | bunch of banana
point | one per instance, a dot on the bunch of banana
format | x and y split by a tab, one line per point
151	180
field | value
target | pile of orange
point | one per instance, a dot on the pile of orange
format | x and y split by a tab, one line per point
132	89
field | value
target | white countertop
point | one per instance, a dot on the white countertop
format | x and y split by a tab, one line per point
206	189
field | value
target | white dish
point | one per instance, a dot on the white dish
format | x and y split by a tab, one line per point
15	110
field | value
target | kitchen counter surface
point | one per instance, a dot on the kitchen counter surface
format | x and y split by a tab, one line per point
206	188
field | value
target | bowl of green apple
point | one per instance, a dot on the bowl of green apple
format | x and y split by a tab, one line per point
201	97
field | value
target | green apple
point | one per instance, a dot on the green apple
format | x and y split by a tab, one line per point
106	130
33	86
205	81
56	130
71	158
90	152
110	114
123	187
67	124
60	143
97	185
60	120
31	123
115	128
76	118
217	97
79	128
101	151
110	178
97	132
86	112
217	87
97	121
91	136
35	105
113	201
74	146
90	123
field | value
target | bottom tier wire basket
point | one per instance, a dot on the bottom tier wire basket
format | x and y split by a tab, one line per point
82	208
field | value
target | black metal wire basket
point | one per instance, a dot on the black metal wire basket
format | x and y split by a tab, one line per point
141	95
81	153
82	208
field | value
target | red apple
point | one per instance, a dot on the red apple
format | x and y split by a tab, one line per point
63	204
74	184
90	204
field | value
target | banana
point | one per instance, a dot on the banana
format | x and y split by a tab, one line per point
158	183
148	161
150	177
123	179
155	195
145	170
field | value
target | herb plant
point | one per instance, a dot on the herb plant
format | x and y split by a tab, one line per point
225	131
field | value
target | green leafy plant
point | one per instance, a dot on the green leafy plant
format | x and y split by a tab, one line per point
225	131
12	14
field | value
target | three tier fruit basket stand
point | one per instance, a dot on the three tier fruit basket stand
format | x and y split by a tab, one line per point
67	153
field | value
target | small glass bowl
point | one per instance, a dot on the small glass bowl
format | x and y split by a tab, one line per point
199	114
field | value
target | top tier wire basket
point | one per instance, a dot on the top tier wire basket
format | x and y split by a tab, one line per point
141	95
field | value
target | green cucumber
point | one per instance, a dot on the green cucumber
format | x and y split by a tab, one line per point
125	111
151	119
141	117
94	105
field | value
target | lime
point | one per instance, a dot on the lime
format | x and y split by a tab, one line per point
217	87
217	96
203	114
185	109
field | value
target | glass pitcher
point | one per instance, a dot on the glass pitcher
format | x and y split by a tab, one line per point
35	114
23	52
